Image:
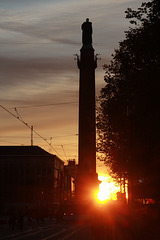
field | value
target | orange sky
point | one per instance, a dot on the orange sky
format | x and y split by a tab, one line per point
37	42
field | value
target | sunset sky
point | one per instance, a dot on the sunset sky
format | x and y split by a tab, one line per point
38	74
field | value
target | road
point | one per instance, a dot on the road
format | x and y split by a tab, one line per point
74	231
59	231
66	231
114	222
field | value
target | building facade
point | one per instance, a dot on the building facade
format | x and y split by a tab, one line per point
71	170
31	177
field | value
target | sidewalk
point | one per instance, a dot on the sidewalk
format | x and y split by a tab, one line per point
5	231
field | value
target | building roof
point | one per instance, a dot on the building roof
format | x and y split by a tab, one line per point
24	151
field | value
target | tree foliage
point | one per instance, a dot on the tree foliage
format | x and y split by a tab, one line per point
128	120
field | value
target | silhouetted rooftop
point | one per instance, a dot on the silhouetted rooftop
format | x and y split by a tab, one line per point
23	150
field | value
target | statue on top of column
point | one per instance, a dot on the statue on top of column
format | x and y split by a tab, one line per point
87	32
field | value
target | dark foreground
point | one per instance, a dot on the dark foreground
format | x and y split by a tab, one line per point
110	222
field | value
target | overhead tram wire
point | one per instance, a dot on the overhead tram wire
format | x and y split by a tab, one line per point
30	129
47	105
11	142
27	42
64	151
64	136
18	115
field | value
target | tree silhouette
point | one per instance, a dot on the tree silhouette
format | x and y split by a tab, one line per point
128	120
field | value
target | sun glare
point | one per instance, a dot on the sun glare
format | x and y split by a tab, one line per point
107	189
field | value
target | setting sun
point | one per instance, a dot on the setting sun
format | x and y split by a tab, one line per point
107	189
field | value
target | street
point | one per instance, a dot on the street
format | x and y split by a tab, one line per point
48	232
113	222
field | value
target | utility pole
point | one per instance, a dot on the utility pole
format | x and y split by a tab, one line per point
31	135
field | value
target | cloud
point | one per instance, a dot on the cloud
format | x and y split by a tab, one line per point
60	22
38	39
37	78
21	70
44	23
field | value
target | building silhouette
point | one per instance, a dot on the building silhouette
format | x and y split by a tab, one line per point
31	177
71	170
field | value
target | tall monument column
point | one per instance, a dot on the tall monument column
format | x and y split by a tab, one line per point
87	179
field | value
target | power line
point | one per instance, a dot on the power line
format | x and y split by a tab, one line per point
49	42
15	116
64	136
46	105
30	129
64	151
27	43
18	115
10	142
17	137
